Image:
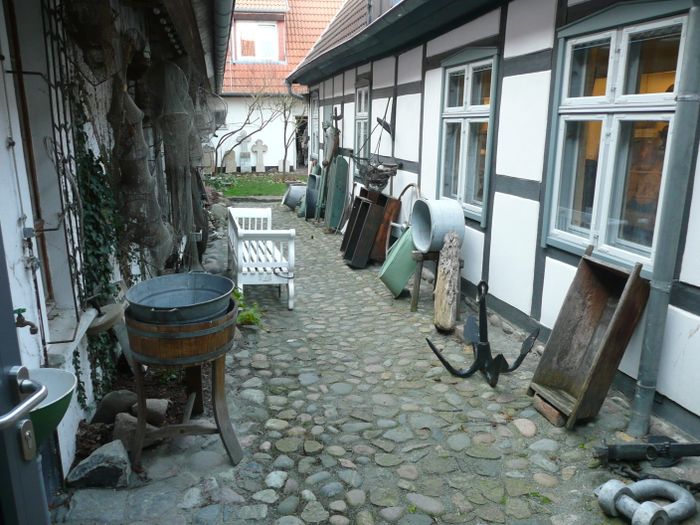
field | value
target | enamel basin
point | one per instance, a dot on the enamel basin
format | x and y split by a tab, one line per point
48	414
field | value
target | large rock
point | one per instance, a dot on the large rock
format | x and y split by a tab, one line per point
112	404
125	428
108	466
155	410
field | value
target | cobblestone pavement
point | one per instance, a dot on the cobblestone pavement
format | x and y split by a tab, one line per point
346	417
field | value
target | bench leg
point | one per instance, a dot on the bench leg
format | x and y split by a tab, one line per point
290	294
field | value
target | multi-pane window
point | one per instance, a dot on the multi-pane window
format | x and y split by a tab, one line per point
257	41
314	126
362	102
615	123
465	130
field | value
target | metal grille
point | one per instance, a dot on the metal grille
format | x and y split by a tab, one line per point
61	145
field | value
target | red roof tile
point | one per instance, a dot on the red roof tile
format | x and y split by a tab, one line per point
304	23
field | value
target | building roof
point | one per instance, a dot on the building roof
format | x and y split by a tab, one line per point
304	22
350	40
262	6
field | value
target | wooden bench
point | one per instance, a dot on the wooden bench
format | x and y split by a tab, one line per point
259	254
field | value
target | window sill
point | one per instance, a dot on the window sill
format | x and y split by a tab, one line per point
67	331
604	256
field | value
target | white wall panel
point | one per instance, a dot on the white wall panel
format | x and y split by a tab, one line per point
338	85
630	359
347	135
364	68
522	127
401	180
350	82
690	270
328	88
557	279
431	130
383	73
680	360
381	108
529	26
472	254
407	127
513	245
482	27
411	66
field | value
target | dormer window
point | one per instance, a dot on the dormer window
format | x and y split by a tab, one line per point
258	41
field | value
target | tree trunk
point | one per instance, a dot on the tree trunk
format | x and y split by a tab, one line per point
447	285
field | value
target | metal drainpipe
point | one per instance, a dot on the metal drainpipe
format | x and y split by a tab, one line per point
681	166
291	93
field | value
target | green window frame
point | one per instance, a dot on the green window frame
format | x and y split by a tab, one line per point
612	123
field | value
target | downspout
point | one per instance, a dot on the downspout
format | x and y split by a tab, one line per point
223	15
682	155
291	93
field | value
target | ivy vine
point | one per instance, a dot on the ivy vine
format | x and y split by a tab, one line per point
99	235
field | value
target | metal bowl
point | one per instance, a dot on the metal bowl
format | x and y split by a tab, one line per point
180	298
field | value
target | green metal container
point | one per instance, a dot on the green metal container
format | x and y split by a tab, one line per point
399	265
49	413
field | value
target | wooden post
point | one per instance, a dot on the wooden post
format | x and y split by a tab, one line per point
447	285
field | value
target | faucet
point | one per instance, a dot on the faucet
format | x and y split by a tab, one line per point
21	322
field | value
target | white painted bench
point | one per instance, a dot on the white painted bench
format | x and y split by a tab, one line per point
259	254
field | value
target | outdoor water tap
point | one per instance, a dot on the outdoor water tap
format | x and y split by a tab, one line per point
21	322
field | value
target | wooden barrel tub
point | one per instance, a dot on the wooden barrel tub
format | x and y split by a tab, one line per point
184	344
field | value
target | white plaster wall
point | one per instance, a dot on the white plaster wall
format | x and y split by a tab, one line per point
482	27
557	280
431	131
381	108
680	360
364	68
410	66
630	359
400	181
522	127
407	127
529	26
690	269
338	85
472	254
383	72
328	88
513	245
350	82
272	135
347	134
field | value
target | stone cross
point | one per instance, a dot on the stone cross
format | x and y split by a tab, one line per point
259	150
230	161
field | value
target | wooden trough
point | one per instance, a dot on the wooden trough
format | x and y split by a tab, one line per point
596	321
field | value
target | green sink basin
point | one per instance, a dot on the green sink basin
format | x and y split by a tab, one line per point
48	414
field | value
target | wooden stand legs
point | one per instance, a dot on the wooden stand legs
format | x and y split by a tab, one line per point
224	427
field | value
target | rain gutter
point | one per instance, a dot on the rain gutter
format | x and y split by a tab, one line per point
223	17
682	154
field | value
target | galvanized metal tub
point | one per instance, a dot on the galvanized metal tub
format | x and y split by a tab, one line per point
432	219
293	195
399	264
180	298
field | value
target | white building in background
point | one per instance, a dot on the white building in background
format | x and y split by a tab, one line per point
268	40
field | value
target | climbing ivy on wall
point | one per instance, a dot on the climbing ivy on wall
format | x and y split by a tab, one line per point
99	237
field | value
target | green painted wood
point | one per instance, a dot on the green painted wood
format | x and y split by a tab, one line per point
337	192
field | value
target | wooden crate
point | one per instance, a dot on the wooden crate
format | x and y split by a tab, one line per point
596	321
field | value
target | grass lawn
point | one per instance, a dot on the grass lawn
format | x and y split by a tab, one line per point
253	185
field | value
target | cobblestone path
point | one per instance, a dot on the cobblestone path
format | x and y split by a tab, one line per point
346	417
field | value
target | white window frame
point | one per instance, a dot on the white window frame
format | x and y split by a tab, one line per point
466	114
612	110
256	58
362	115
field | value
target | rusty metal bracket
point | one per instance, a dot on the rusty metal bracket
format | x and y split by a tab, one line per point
476	333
